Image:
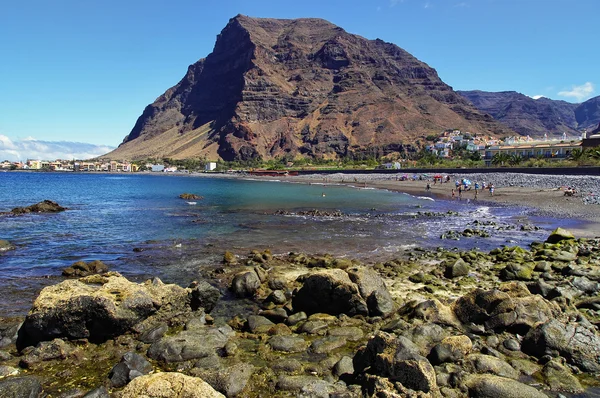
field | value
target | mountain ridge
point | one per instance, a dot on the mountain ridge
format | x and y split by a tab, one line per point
303	87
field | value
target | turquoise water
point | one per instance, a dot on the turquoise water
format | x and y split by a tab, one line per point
110	215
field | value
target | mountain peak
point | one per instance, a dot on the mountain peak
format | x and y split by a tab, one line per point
299	87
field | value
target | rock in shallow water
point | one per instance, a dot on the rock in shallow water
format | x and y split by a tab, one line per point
169	384
20	387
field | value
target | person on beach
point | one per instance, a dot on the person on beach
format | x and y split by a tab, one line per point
459	192
491	189
428	187
453	194
475	197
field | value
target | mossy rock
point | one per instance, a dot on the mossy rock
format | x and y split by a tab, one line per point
515	271
560	234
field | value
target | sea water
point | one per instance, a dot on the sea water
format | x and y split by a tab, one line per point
110	215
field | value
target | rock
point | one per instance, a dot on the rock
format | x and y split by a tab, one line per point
585	285
343	367
288	343
559	378
169	384
81	268
350	333
330	291
489	364
456	268
100	392
245	284
276	315
154	333
259	324
96	308
190	196
489	386
132	365
450	349
8	371
193	344
262	274
432	311
46	206
277	297
46	351
564	256
231	380
327	344
559	235
296	318
294	383
20	387
398	359
578	344
229	258
373	290
517	271
511	345
6	246
205	296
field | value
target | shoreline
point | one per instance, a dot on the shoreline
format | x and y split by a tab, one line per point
543	202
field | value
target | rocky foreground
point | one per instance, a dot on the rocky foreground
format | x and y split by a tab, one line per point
508	323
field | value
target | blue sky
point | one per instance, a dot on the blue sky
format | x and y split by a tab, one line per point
83	71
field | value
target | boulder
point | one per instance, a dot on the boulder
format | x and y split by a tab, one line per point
398	359
579	344
169	384
343	367
489	386
132	365
330	291
372	288
205	296
489	364
231	380
190	344
6	245
288	343
259	324
96	308
46	206
20	387
190	196
46	351
558	235
81	268
245	284
560	378
456	268
100	392
450	349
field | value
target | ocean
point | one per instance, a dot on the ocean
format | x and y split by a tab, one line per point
110	215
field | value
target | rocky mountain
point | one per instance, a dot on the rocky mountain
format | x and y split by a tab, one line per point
536	117
304	87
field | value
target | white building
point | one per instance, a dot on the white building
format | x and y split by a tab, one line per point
210	166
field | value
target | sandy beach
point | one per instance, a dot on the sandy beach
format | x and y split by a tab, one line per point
544	201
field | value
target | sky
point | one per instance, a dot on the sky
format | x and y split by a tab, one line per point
75	73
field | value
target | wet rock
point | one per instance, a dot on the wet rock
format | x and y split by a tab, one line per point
169	384
6	246
585	285
100	392
580	345
329	291
288	343
81	268
21	387
46	206
517	271
327	344
231	380
313	327
559	378
489	364
432	311
559	235
154	333
193	344
276	315
190	196
229	258
259	324
350	333
295	383
296	318
245	284
489	386
46	351
205	296
96	308
132	365
289	365
456	268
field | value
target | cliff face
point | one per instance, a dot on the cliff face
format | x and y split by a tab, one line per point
528	116
300	87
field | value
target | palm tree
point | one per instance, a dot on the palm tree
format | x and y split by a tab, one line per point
500	158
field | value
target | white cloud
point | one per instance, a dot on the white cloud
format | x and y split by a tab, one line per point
30	148
579	93
537	96
427	5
